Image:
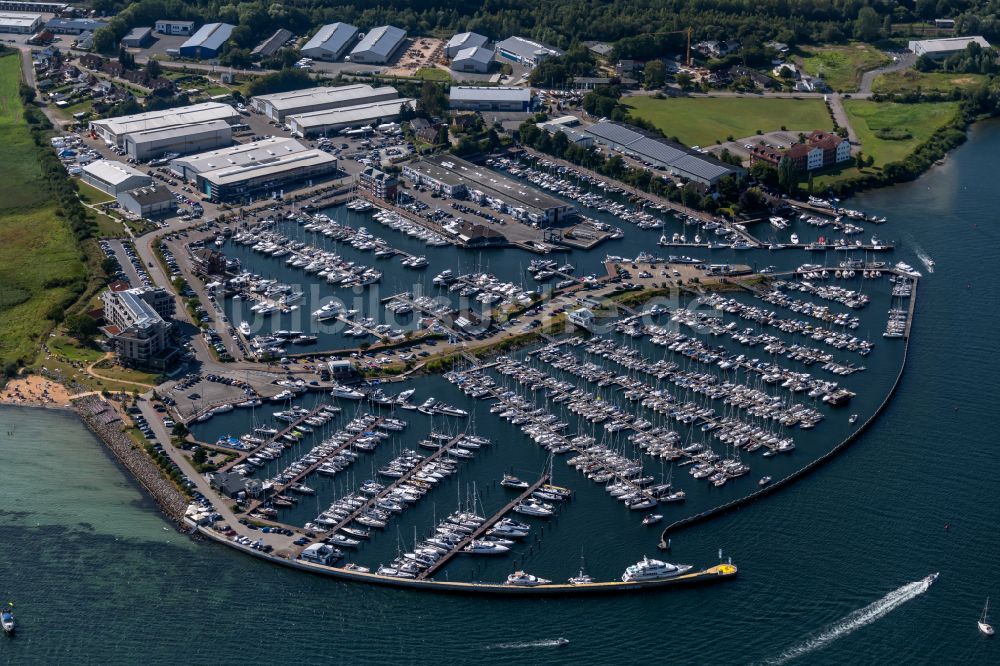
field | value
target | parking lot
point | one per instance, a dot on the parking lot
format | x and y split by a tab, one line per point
130	268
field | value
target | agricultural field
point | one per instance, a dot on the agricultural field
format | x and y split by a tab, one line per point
842	66
39	256
702	121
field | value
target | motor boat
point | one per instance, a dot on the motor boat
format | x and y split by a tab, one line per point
524	579
649	570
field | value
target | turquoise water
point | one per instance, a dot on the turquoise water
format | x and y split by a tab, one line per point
96	578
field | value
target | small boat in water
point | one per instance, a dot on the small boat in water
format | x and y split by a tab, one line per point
510	481
984	624
7	620
652	519
764	481
853	419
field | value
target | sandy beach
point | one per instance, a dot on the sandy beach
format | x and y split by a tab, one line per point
34	390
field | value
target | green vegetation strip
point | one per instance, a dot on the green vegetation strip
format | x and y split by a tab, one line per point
842	66
881	126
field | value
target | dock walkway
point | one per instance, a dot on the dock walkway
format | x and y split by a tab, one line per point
243	455
482	529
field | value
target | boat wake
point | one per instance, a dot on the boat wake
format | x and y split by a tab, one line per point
926	260
523	645
855	620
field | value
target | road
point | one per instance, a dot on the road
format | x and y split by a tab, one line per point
903	61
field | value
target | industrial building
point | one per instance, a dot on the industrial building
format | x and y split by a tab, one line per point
939	49
474	59
207	43
148	202
183	28
330	42
574	136
483	98
525	51
279	105
138	38
332	121
113	130
272	44
150	144
113	177
254	169
74	26
20	23
464	40
137	326
673	157
379	46
57	8
457	178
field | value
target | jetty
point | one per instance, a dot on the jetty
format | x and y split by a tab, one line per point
243	455
482	529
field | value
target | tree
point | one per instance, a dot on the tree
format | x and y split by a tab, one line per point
867	25
80	326
432	100
153	68
655	74
788	174
764	173
442	135
683	79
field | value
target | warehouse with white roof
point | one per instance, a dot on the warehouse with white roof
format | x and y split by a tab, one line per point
332	121
525	51
113	130
20	22
379	46
113	177
486	98
939	49
277	106
330	42
183	139
474	59
675	158
262	168
464	40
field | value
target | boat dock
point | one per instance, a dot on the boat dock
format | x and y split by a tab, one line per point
912	309
395	484
439	317
313	467
243	455
479	531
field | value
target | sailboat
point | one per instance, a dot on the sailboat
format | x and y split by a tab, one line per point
582	578
984	626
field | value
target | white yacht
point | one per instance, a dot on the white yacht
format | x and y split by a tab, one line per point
648	569
341	391
984	625
485	547
794	238
524	579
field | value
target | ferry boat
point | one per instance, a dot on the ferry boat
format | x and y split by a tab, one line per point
7	620
649	569
524	579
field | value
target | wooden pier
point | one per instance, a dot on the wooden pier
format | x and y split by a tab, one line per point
482	529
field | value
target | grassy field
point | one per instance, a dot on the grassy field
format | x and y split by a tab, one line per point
36	248
919	120
701	121
842	66
910	80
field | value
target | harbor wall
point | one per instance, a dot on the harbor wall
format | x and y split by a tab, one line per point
794	476
132	458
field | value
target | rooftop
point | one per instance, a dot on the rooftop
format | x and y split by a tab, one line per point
137	33
946	44
151	195
246	153
525	48
489	93
182	115
381	40
332	37
177	131
465	40
114	173
475	53
350	114
455	171
210	36
268	167
20	19
311	96
271	45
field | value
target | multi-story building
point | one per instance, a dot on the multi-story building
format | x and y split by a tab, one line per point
378	183
819	150
137	326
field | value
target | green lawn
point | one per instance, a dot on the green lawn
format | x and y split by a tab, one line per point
919	120
701	121
92	195
35	246
842	66
432	74
910	80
